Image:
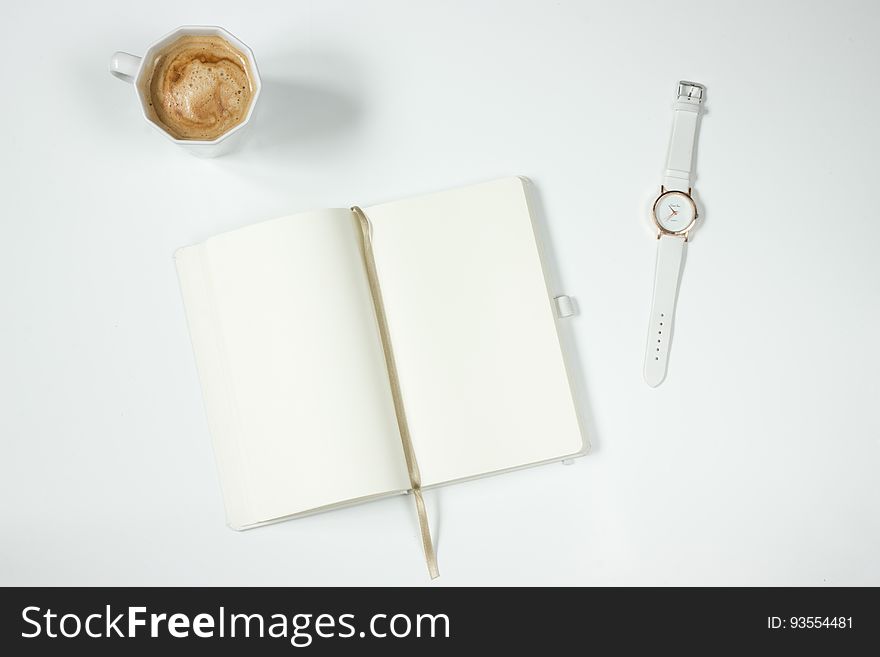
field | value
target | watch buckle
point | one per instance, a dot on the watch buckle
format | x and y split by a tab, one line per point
691	90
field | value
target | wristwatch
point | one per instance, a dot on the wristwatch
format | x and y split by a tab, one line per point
674	214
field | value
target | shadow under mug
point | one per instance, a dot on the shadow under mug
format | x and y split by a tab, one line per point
136	70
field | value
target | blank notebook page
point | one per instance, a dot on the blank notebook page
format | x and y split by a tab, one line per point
292	366
474	332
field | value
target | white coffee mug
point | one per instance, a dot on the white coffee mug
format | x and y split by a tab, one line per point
136	70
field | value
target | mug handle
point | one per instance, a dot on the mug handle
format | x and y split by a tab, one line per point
124	66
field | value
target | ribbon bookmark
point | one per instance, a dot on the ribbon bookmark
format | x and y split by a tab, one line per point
412	466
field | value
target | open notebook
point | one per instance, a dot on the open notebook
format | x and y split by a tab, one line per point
304	401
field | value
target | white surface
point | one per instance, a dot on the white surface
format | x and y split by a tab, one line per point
754	463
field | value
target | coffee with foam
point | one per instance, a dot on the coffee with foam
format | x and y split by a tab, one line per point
200	87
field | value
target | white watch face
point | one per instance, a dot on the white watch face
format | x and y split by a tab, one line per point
674	212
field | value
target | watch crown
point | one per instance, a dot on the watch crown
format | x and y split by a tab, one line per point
691	90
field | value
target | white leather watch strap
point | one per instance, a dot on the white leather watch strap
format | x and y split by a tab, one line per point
670	251
679	160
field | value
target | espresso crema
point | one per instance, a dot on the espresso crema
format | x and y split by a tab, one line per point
200	87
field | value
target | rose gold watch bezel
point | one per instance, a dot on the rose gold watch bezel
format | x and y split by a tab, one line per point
676	233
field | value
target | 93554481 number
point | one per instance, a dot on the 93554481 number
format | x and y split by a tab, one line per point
809	622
